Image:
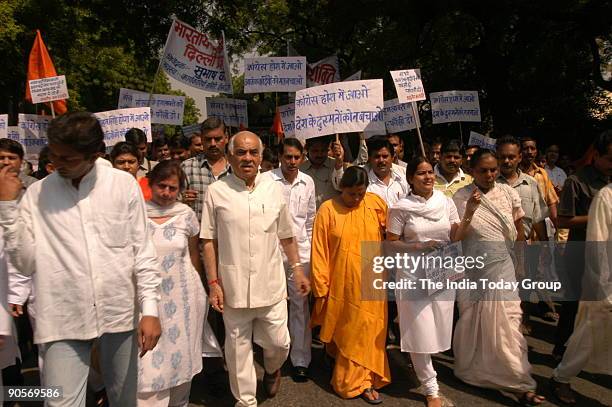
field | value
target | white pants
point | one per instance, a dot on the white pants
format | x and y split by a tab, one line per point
423	367
299	318
177	396
67	365
267	326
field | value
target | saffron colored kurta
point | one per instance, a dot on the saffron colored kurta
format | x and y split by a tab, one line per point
353	329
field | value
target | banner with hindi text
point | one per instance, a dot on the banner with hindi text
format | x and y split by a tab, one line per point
115	123
342	107
3	125
324	71
408	85
233	112
33	125
287	114
275	74
165	109
398	116
196	59
455	106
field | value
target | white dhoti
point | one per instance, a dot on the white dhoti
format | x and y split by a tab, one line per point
267	326
590	346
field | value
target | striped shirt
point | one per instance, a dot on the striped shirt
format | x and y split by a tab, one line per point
199	177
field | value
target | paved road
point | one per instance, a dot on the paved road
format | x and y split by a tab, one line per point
212	389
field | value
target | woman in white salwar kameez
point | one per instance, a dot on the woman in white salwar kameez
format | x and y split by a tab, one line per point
489	349
165	374
425	219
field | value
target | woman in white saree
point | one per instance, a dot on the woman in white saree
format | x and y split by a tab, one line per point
489	349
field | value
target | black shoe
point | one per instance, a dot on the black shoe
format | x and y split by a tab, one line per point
300	374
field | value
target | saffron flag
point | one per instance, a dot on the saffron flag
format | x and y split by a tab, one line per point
41	66
277	125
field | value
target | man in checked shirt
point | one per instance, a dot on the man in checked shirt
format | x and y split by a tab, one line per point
207	167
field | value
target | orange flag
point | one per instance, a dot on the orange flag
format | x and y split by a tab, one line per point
277	126
41	66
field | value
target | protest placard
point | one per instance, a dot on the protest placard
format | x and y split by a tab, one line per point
287	114
408	85
14	133
276	74
3	125
398	116
165	109
342	107
439	272
323	72
233	112
455	106
33	125
115	123
354	77
196	59
49	89
477	139
188	131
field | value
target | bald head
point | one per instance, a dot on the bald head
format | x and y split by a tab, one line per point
244	137
245	150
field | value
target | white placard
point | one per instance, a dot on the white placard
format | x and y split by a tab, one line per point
165	109
48	89
342	107
3	125
398	116
14	133
196	59
287	114
277	74
408	85
324	71
477	139
455	106
441	274
115	123
233	112
33	125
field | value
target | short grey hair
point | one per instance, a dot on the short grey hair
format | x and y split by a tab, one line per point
230	145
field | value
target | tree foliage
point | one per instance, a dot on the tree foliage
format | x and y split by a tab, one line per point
537	65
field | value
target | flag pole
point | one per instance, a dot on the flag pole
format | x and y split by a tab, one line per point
160	64
52	110
415	113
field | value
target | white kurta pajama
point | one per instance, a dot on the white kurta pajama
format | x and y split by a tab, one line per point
489	349
247	225
426	323
9	349
590	346
94	262
300	199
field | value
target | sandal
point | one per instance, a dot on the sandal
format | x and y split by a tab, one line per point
563	392
369	392
530	398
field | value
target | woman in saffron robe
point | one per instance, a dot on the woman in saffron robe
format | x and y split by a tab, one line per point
352	328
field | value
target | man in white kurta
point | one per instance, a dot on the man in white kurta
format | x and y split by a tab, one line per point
244	218
82	233
387	180
299	193
590	346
